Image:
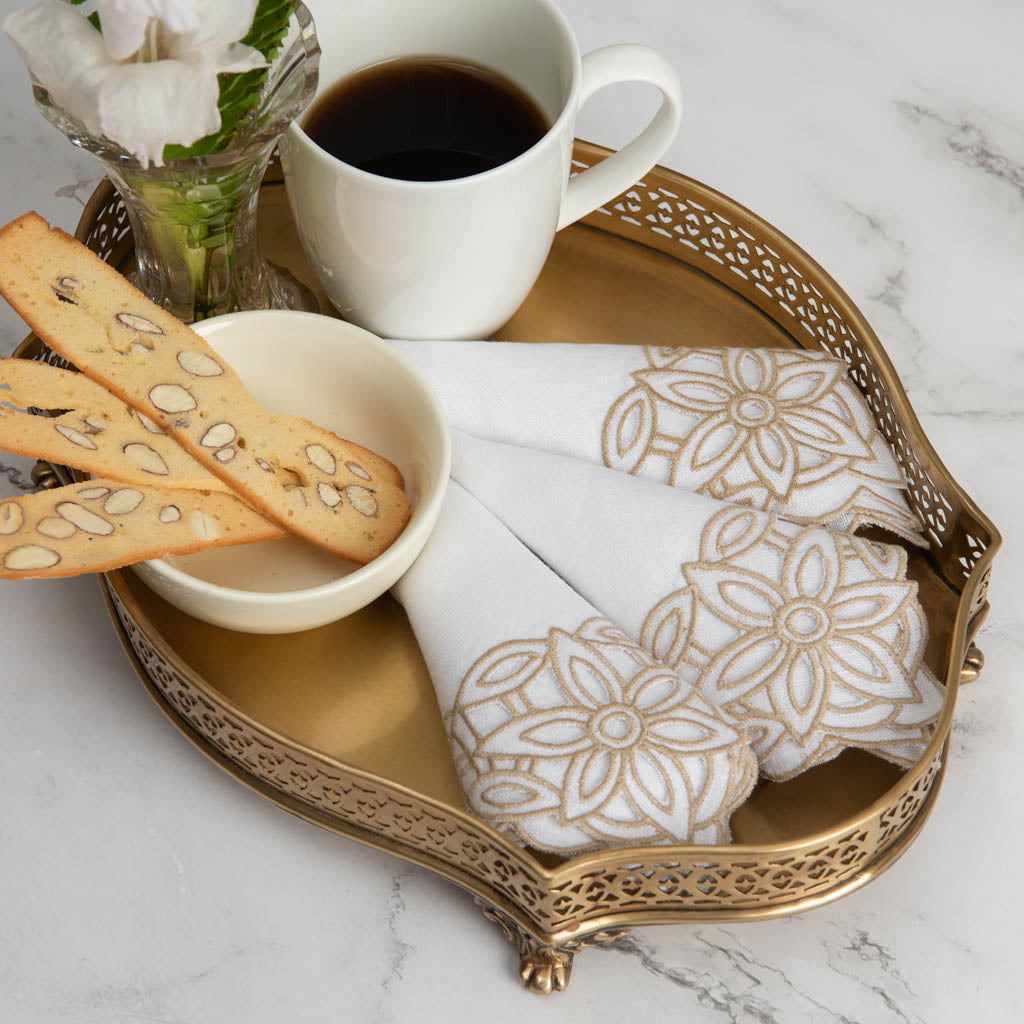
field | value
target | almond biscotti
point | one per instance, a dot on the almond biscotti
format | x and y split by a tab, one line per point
96	432
99	525
334	493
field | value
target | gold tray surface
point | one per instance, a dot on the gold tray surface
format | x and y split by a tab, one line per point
341	725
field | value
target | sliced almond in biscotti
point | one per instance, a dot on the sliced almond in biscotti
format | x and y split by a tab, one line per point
103	524
83	309
96	433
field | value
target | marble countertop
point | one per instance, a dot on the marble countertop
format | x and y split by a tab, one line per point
138	882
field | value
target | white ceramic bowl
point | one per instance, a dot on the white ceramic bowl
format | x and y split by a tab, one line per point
352	383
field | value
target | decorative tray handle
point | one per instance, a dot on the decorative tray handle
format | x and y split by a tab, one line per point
974	662
45	477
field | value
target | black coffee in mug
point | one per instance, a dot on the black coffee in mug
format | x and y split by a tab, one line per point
425	119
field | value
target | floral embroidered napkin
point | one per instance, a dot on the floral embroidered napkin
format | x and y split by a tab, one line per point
778	429
812	640
566	734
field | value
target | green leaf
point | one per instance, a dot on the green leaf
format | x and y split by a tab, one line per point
268	26
240	91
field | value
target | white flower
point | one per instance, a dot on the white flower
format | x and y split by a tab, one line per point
150	78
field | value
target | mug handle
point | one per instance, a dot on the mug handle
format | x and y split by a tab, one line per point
607	66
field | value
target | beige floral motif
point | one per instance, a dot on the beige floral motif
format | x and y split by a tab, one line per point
773	429
804	633
581	740
812	640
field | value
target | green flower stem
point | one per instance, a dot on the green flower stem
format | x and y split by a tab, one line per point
188	224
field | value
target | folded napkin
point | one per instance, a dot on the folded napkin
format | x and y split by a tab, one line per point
811	639
566	734
778	429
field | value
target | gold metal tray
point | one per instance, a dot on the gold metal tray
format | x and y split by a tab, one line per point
301	719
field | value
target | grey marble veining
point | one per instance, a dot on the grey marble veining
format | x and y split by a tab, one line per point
968	144
16	475
144	885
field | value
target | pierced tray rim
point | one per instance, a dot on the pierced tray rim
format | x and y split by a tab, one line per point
967	619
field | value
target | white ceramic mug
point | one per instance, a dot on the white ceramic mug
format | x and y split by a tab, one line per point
454	259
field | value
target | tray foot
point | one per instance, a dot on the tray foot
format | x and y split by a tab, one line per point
544	968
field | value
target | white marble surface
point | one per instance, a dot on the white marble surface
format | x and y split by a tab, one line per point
140	883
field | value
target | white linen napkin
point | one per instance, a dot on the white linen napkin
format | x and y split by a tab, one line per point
778	429
566	734
811	639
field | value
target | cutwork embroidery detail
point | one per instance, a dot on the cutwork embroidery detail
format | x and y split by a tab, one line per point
813	641
774	430
582	739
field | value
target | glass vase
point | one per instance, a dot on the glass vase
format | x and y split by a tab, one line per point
194	219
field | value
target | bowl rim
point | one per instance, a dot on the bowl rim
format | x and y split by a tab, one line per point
421	522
